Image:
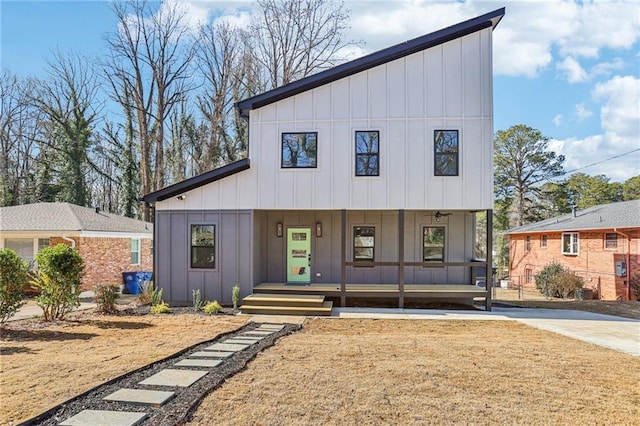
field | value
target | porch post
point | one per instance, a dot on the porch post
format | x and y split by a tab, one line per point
401	258
489	259
343	257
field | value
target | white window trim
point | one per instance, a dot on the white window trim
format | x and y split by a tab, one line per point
139	250
574	251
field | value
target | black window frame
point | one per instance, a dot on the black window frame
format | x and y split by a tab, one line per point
444	243
282	150
439	155
356	246
369	154
212	247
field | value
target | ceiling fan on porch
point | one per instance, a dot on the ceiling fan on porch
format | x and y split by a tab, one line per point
438	215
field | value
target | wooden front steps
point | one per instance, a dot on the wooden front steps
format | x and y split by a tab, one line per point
286	304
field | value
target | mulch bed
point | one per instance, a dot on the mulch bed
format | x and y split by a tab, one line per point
178	409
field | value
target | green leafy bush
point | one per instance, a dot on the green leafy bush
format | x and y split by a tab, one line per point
235	295
13	278
212	308
160	308
58	279
556	281
105	297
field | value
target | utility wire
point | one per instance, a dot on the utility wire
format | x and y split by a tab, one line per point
602	161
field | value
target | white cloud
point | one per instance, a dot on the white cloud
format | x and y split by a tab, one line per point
574	73
557	120
582	112
620	111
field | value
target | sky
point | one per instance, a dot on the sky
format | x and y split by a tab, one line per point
570	69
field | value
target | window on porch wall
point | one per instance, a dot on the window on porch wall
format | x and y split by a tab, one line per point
433	243
364	243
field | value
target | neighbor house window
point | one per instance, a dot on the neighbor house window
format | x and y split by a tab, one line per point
610	240
299	150
23	248
528	276
433	243
203	239
446	146
43	243
527	243
363	243
368	153
570	243
135	251
543	241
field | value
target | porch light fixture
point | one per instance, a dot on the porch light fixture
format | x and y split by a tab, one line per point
438	216
279	229
181	197
318	229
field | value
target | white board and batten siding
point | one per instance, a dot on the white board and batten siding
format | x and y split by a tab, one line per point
446	87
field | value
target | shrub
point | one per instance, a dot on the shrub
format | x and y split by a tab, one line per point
146	293
235	295
197	300
156	297
160	308
556	281
212	308
13	278
58	278
105	297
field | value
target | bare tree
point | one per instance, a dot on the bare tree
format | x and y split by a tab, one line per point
292	39
150	57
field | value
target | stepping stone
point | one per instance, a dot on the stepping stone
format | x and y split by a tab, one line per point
227	347
140	396
239	341
198	363
263	333
270	327
212	354
169	377
105	418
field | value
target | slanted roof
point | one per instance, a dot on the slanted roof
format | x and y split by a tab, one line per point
364	63
625	214
197	181
66	217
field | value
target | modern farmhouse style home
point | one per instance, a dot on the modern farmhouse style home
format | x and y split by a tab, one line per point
363	180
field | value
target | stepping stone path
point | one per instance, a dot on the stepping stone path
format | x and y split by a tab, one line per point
204	360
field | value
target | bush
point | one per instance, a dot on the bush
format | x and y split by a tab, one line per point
13	278
556	281
58	278
235	295
160	308
212	308
105	297
156	297
146	293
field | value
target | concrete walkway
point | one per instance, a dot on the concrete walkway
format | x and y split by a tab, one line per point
617	333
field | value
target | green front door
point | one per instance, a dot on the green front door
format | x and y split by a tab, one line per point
299	255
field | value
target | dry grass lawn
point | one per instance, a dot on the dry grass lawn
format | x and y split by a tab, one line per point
41	366
359	372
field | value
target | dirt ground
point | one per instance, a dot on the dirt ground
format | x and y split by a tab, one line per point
337	371
623	308
372	372
44	365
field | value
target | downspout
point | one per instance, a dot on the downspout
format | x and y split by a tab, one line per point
71	240
628	237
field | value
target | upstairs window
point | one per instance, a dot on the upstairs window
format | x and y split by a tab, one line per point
610	240
368	153
543	241
364	243
446	147
203	238
433	243
299	150
570	243
527	243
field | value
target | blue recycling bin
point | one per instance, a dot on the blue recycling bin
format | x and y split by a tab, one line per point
133	281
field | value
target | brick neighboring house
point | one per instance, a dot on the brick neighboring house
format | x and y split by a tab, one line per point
109	244
601	244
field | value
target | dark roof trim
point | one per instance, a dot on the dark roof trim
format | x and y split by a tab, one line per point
380	57
197	181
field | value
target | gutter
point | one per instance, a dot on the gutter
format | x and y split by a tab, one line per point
71	240
628	260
